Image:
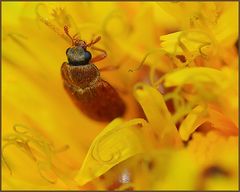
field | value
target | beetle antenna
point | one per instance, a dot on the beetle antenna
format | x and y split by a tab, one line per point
94	41
73	38
48	23
66	30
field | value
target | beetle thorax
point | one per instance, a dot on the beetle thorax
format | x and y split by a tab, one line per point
83	76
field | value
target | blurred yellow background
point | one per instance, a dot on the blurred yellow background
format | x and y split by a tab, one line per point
188	91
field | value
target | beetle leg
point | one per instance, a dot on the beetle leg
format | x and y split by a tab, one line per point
94	41
100	56
109	68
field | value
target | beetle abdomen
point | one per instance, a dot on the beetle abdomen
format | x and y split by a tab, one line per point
99	100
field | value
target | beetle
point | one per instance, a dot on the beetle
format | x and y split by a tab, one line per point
94	96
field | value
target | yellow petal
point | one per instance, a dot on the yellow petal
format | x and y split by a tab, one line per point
117	142
157	114
196	74
181	172
227	163
226	30
191	122
212	149
182	12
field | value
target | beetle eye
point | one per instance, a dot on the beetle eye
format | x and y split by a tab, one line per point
67	50
87	56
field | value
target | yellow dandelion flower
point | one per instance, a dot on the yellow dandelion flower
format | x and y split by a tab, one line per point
176	79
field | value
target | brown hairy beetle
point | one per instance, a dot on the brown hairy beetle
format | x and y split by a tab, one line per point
94	96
